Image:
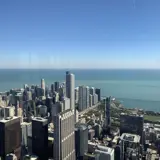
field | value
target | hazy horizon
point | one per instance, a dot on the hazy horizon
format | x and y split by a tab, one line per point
79	69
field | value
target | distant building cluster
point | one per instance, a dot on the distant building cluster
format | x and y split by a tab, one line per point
88	97
38	122
66	123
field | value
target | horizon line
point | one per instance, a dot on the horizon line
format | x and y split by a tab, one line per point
79	68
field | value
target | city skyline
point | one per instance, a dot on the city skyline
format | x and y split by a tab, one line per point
80	34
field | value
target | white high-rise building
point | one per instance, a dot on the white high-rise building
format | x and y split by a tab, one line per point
43	85
90	100
76	94
92	90
66	103
26	132
70	89
95	98
83	100
87	97
64	136
56	95
29	95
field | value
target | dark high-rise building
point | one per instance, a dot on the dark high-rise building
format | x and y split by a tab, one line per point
108	108
98	92
132	124
47	91
52	88
10	137
117	155
39	91
49	104
56	84
81	141
40	138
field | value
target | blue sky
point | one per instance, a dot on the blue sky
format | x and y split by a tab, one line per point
79	34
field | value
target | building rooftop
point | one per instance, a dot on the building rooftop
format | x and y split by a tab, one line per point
26	123
130	137
105	149
32	157
81	126
40	119
8	119
90	154
77	88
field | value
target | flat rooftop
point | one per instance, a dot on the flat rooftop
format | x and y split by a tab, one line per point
26	123
40	119
105	149
8	119
130	137
80	126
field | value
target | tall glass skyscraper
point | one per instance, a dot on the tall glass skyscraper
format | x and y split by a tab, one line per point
70	86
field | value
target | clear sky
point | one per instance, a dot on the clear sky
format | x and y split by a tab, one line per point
80	33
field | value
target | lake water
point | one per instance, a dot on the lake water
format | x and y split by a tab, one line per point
134	88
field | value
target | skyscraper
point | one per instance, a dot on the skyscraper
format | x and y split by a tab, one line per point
107	110
26	130
66	103
43	85
95	99
103	152
83	100
52	88
56	84
40	137
92	90
70	86
76	94
130	145
81	140
64	136
132	124
90	100
10	135
98	92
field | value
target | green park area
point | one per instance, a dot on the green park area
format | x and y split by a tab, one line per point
153	118
149	116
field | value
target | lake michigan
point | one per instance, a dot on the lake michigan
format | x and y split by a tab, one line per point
134	88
